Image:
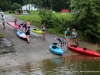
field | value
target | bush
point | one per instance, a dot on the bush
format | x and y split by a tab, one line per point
53	23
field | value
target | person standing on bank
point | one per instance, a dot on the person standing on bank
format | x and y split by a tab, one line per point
74	37
3	20
67	35
27	32
43	28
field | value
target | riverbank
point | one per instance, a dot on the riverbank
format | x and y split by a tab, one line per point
37	49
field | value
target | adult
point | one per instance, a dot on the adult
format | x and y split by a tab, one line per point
74	37
43	28
27	32
3	20
67	35
62	42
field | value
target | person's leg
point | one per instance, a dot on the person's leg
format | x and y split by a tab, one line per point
43	32
28	40
67	41
4	25
65	48
74	41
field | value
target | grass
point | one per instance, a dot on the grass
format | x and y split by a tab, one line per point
35	19
1	35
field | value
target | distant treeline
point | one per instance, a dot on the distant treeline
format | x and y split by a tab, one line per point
48	4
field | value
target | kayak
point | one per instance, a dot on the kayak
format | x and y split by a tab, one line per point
13	24
36	31
56	50
21	34
83	50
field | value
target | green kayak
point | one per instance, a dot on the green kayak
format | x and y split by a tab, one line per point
36	31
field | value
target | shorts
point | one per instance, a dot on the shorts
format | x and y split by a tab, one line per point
3	23
27	33
43	30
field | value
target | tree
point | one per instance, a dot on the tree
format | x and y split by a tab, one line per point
87	17
4	4
15	6
61	4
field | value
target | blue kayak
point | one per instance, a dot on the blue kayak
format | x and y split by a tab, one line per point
21	34
56	50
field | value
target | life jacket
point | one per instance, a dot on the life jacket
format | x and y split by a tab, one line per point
43	27
60	39
67	33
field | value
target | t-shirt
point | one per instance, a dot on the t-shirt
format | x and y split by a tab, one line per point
3	19
73	34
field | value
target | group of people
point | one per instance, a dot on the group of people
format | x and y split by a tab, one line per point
61	40
27	26
67	36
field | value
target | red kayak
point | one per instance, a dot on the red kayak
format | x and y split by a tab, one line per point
83	50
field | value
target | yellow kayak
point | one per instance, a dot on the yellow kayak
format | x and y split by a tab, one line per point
36	31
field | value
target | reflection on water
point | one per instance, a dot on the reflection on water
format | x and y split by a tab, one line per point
71	65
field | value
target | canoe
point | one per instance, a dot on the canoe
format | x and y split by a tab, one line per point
13	24
83	50
36	31
21	34
56	50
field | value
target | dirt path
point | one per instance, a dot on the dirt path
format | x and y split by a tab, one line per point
37	49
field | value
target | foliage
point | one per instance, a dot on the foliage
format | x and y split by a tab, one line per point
4	4
15	6
33	17
87	18
48	4
58	25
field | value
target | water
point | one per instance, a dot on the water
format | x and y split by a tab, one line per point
70	65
